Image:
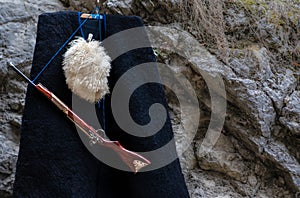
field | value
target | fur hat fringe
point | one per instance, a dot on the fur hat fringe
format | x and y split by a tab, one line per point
86	67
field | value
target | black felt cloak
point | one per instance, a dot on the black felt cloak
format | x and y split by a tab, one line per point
53	162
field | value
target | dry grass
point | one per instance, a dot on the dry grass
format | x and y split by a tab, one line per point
274	25
208	21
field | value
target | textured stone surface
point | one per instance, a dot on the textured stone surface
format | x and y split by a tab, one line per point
291	112
257	153
248	148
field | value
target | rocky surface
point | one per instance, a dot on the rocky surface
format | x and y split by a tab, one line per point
255	53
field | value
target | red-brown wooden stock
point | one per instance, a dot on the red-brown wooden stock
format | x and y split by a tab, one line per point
133	160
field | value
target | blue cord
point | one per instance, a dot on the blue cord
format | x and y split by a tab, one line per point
103	99
104	24
103	103
57	52
99	29
67	41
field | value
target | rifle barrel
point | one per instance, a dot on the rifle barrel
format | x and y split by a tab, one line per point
21	73
133	160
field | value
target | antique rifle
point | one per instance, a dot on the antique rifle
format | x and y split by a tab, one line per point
133	160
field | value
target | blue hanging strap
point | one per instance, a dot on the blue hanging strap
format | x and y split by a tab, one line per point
104	25
59	50
94	16
102	102
99	29
99	17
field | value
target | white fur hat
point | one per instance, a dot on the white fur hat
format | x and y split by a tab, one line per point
86	66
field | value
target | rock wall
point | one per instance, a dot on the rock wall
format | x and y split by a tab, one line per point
255	51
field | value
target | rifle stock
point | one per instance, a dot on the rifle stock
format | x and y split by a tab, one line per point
133	160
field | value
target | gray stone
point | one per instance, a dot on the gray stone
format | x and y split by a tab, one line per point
291	113
254	116
13	11
121	7
252	180
224	159
8	152
3	76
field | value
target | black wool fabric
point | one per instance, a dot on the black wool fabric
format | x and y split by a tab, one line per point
53	161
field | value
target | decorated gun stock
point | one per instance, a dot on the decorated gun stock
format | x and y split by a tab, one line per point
133	160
